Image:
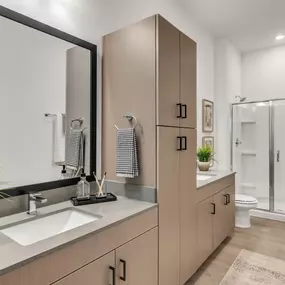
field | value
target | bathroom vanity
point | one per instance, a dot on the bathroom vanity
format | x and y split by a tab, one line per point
215	211
101	252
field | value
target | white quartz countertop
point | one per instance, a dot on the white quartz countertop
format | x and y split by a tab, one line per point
13	255
215	176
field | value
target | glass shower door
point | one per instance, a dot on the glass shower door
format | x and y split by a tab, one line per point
278	110
250	145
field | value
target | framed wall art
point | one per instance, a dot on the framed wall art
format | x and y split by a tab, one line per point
208	116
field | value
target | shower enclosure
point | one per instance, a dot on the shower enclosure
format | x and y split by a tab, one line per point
258	152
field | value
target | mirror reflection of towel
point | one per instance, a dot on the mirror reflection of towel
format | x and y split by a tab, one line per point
75	149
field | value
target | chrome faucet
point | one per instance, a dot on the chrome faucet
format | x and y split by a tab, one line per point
33	199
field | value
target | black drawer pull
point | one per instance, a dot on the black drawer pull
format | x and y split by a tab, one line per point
179	147
184	116
113	275
214	209
184	139
226	200
229	198
124	278
179	110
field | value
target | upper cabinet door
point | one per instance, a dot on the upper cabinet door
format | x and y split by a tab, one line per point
137	260
168	108
99	272
188	81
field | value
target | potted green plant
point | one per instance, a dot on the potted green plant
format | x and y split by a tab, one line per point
205	157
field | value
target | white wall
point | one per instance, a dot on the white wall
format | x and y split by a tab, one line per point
90	20
227	86
32	83
263	74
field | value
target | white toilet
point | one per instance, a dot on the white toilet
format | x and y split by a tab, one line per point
244	204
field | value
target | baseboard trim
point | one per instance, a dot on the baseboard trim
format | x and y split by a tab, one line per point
268	215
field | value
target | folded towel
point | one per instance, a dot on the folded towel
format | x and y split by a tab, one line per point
127	154
75	149
59	140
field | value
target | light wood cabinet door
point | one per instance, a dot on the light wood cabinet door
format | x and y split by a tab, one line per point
12	278
168	68
137	260
188	81
97	272
168	197
205	229
220	218
188	211
231	210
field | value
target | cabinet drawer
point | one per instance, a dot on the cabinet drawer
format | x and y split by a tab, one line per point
99	272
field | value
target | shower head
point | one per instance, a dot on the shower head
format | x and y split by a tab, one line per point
240	99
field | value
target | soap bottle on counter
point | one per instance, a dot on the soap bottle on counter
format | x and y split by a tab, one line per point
63	175
83	187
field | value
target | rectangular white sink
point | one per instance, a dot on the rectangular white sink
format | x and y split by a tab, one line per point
41	228
203	177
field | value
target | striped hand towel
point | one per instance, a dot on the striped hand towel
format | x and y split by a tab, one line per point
127	153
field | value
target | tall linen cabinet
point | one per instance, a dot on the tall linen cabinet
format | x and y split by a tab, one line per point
149	70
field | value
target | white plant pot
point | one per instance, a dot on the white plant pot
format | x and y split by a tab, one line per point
204	166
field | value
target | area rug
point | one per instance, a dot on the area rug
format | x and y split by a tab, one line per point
251	268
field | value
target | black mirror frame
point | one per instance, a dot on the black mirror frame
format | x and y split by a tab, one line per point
24	20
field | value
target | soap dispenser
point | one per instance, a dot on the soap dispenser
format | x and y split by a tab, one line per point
63	175
83	187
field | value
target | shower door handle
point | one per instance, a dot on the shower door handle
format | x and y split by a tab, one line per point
237	142
278	156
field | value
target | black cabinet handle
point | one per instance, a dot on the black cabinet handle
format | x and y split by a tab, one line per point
184	116
229	198
179	110
179	147
124	278
184	139
214	209
226	199
113	275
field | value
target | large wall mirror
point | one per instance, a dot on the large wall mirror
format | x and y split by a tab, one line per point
47	104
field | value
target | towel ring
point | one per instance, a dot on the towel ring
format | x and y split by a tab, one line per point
79	120
129	118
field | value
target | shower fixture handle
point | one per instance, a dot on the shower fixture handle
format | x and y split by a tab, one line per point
278	156
238	142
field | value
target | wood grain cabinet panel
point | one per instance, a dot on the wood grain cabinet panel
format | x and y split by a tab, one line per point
129	86
168	197
97	272
231	210
220	223
188	209
168	62
188	81
137	260
205	229
13	278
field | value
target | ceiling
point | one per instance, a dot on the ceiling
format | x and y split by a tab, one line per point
249	24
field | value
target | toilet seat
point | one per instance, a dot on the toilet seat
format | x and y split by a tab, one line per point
245	199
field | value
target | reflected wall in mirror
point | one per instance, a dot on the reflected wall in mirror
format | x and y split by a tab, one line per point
45	89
